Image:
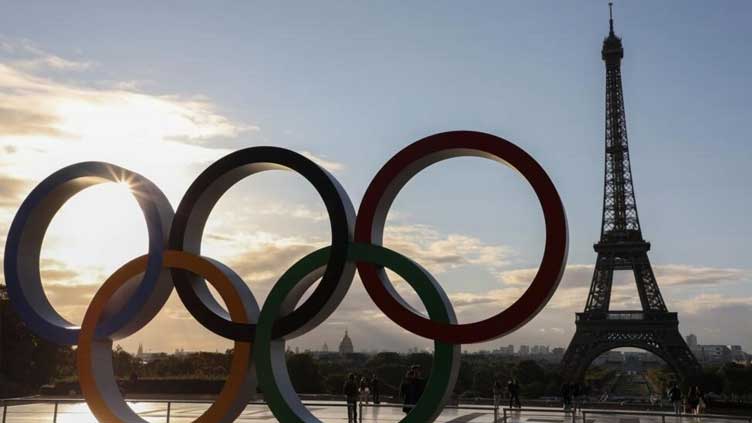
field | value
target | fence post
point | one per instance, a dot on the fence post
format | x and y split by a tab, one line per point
5	410
54	414
169	407
583	417
663	418
504	409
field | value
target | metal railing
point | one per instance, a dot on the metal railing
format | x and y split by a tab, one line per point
168	403
501	413
508	412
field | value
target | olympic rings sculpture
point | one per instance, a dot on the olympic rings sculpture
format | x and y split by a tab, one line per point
135	293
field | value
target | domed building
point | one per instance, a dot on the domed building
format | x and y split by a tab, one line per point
346	345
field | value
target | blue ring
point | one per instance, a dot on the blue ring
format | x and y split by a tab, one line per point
24	242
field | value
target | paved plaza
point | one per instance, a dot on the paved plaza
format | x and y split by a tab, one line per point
184	413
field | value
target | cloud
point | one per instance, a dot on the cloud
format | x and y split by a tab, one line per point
38	106
683	275
327	164
442	252
12	190
25	122
580	275
24	54
264	263
575	275
707	302
297	211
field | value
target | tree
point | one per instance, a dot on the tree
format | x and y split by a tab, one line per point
483	380
304	373
528	371
26	361
737	379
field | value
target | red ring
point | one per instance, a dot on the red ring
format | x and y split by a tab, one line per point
394	175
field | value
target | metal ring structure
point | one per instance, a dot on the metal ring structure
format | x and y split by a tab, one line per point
134	294
139	301
193	212
397	172
269	352
94	356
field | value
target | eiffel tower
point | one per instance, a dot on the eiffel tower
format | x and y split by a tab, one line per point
622	247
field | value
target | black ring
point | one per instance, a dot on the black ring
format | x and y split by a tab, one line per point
193	212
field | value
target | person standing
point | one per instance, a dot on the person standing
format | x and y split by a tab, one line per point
351	394
566	396
514	393
675	396
375	389
576	393
497	392
412	388
693	400
701	404
364	390
405	388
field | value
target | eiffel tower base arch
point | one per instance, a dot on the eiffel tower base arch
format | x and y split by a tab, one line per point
657	333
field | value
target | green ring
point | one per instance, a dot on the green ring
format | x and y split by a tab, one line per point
269	354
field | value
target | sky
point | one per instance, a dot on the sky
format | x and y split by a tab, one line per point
164	89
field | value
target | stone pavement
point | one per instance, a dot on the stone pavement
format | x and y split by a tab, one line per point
326	412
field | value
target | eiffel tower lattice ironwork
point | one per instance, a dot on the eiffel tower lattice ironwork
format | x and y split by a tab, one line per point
622	247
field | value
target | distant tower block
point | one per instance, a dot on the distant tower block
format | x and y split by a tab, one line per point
346	345
692	341
622	247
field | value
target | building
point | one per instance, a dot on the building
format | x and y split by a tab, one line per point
524	350
692	341
346	345
508	350
539	349
738	355
146	357
715	353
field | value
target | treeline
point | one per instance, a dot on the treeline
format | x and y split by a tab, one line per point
198	365
327	373
729	381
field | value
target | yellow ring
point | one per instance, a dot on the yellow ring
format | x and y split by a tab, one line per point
95	372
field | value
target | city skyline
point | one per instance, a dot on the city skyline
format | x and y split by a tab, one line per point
351	103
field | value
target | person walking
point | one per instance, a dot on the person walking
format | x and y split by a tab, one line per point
675	396
514	393
375	389
351	394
